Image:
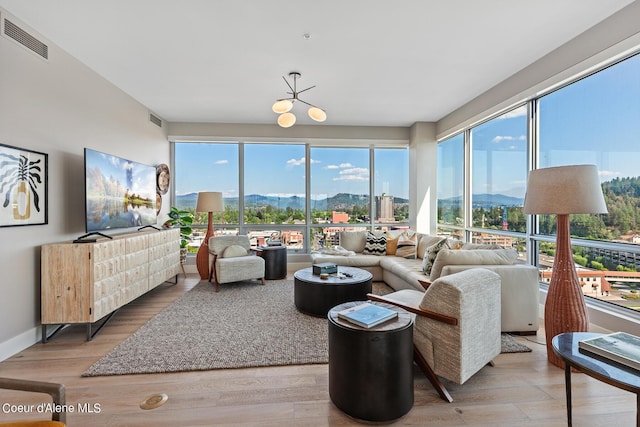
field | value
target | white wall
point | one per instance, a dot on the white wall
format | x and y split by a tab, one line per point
58	107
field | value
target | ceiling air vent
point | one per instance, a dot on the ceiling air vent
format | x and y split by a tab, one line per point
155	120
11	30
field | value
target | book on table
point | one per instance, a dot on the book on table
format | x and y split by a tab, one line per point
619	347
367	315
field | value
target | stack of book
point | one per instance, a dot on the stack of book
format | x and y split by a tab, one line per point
367	315
619	347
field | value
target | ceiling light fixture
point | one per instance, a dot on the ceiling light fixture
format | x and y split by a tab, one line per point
283	106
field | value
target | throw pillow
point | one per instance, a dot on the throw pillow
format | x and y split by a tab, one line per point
353	240
424	241
234	251
392	243
430	254
477	257
375	245
407	246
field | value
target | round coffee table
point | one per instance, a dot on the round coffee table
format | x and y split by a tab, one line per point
317	296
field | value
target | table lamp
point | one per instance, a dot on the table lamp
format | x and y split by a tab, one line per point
562	191
208	201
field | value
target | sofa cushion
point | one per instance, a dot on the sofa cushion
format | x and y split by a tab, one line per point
473	257
359	260
375	244
407	245
430	254
409	270
353	240
234	251
467	246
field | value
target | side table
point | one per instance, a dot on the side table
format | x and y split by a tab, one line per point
566	347
371	370
275	261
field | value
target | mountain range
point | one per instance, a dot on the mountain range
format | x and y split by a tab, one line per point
341	201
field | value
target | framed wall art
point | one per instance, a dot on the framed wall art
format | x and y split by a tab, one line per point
23	187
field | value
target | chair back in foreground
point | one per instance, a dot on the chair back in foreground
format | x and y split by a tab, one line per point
457	324
55	390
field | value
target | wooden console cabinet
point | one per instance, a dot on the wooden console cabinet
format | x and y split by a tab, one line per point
85	282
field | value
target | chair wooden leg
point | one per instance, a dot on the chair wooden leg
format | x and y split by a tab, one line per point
262	280
431	376
491	363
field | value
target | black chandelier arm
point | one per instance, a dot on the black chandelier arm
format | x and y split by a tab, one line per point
304	90
287	82
310	105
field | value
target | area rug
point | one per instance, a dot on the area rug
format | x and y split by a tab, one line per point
510	345
244	325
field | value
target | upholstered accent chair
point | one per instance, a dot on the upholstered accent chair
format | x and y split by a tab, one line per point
55	390
232	260
457	324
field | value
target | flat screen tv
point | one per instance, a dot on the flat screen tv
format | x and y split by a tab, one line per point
119	193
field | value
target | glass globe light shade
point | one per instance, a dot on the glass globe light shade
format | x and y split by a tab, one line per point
317	114
286	120
282	106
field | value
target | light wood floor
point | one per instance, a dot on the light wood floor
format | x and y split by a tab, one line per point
521	390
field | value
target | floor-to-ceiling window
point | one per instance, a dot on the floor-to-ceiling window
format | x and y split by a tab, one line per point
347	188
391	186
596	120
451	174
593	120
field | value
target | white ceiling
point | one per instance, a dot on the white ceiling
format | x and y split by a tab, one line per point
374	62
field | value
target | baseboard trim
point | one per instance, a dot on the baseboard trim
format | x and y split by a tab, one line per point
18	343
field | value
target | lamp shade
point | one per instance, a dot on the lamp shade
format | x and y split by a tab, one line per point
564	190
286	120
317	114
282	106
210	201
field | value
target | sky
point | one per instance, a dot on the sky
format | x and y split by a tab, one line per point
593	121
278	169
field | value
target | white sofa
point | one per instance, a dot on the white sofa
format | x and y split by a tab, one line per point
519	282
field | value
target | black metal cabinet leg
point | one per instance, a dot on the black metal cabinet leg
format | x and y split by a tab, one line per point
567	384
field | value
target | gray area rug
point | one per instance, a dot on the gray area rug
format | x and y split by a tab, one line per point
510	345
244	325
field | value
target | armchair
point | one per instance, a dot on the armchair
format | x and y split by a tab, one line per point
231	260
457	325
56	391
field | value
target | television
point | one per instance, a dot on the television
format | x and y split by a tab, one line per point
119	193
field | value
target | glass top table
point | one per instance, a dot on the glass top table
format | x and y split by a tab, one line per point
565	346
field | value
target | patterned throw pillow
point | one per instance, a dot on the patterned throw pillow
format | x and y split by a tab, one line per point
430	254
375	245
407	246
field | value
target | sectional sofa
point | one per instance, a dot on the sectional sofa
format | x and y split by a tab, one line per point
413	265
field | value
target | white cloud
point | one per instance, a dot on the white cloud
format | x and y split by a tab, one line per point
221	162
300	161
518	112
500	138
608	174
340	166
353	174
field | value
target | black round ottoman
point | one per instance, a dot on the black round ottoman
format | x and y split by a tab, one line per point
315	296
